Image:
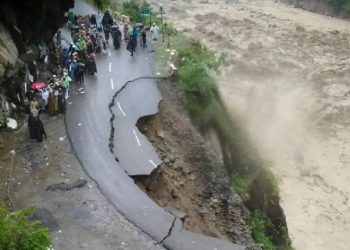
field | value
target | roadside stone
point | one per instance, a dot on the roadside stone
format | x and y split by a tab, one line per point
67	186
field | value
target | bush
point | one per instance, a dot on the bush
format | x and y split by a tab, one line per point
242	185
132	9
18	233
257	223
341	5
195	72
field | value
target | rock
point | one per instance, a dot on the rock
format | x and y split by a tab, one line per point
186	170
204	210
181	183
166	160
45	217
174	194
2	70
160	133
171	174
172	157
8	49
191	177
67	186
11	123
178	165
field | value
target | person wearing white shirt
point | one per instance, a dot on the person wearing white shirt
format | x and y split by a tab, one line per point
154	32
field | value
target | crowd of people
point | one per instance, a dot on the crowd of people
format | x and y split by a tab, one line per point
47	98
76	58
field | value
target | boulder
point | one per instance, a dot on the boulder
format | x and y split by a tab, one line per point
8	50
11	123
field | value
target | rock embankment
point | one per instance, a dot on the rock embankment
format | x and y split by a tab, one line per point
26	49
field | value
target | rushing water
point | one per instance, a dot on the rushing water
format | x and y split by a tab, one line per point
289	83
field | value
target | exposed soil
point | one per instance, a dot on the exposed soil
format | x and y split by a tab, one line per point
192	178
48	176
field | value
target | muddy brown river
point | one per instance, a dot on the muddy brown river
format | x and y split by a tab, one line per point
288	81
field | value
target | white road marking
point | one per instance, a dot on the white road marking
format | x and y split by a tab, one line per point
112	83
137	138
109	53
154	165
121	110
110	67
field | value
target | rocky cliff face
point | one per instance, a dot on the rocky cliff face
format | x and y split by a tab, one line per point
26	29
318	6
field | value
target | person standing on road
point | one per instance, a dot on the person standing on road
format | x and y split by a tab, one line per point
65	84
117	37
144	38
154	32
132	42
51	102
39	130
31	123
107	22
126	31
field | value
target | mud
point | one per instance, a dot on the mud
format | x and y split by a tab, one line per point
192	182
289	83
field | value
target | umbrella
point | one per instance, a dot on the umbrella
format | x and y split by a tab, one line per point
37	85
138	25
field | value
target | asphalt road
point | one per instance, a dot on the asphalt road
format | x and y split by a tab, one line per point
88	124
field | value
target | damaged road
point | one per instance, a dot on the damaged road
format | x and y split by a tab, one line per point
122	123
88	123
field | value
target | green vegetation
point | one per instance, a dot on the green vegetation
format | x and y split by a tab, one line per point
257	223
242	185
18	233
339	5
133	10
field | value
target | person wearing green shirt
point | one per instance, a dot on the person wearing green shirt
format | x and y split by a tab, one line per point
65	82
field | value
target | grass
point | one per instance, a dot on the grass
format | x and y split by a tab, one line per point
242	185
257	223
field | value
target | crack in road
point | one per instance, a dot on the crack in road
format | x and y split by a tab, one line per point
112	103
169	232
112	132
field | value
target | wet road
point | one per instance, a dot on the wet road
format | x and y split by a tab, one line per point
88	124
